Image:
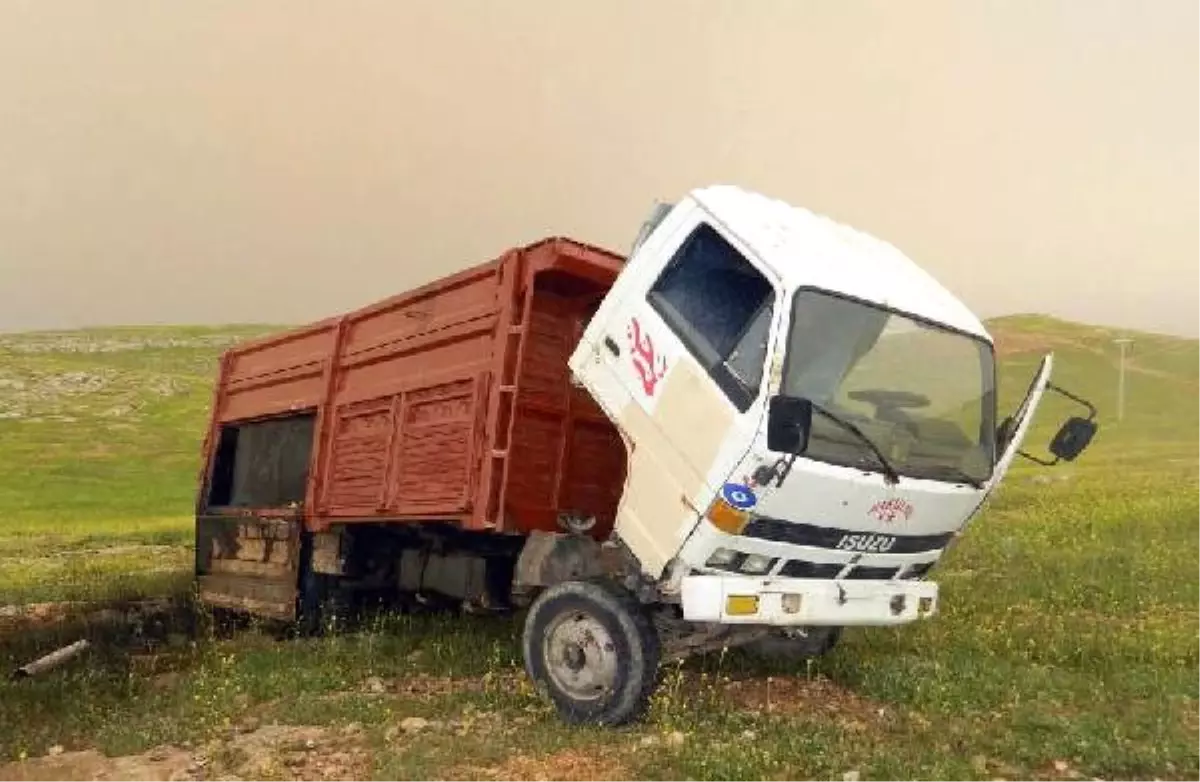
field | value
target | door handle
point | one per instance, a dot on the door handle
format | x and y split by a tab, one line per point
611	344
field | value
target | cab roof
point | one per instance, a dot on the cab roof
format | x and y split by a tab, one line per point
807	249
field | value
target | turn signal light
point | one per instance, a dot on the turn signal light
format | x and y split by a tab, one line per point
741	605
727	518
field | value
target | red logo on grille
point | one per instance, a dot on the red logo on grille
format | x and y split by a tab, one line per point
891	510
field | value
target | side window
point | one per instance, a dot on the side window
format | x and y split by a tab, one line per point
720	306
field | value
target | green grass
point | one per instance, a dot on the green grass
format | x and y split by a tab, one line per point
1066	645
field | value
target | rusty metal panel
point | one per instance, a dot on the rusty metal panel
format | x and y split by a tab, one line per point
248	563
263	597
327	552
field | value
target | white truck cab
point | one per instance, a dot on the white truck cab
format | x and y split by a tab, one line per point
810	420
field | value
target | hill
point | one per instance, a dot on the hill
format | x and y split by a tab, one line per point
1066	644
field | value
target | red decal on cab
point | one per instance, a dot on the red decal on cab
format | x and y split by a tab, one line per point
649	366
891	510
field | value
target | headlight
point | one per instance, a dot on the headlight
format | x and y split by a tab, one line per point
722	557
756	564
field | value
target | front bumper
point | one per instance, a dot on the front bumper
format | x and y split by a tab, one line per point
804	601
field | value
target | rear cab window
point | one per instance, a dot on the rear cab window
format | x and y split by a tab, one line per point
720	306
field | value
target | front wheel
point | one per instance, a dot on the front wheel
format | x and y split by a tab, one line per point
592	649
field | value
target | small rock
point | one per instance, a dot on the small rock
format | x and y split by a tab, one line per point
375	685
851	776
1061	766
309	744
749	735
57	749
413	724
675	739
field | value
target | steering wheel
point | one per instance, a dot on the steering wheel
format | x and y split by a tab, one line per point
889	403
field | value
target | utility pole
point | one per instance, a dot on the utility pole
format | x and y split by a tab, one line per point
1121	378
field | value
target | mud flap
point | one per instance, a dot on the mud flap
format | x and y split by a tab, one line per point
249	564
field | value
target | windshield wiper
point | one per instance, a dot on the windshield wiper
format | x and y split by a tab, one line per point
949	470
889	472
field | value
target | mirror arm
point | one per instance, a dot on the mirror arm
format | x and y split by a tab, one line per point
1090	407
1038	460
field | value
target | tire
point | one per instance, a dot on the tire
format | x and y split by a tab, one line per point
779	646
591	648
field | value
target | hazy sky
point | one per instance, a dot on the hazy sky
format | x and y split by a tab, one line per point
271	161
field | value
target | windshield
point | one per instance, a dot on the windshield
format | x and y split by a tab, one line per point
923	395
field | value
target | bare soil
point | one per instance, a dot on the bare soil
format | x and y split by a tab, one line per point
270	752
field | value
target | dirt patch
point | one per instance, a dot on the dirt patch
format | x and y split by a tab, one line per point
270	752
159	763
567	764
37	613
31	615
818	697
292	752
423	686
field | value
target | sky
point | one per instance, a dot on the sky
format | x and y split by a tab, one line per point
281	162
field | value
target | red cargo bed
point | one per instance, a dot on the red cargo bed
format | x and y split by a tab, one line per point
450	402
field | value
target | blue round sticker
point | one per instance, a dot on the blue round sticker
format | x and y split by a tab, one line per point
739	496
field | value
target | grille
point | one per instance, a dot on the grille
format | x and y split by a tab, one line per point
800	534
798	568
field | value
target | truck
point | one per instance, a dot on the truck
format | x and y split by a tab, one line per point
759	427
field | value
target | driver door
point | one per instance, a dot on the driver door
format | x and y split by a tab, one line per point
676	356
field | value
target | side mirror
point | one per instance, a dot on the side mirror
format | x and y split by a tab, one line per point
789	421
1074	436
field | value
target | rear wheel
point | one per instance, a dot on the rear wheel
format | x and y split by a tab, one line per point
591	648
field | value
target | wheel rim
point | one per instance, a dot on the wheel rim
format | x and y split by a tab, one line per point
581	657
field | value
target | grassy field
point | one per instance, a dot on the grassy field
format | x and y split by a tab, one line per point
1066	647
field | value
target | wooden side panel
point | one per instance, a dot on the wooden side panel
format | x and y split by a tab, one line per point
405	454
406	403
566	456
279	376
358	457
435	454
594	472
462	298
